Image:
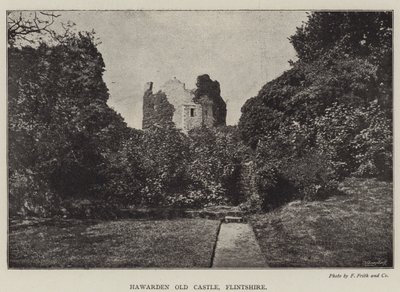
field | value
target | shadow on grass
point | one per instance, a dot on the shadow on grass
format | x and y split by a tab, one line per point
353	228
177	243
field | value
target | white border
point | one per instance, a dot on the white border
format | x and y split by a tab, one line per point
119	280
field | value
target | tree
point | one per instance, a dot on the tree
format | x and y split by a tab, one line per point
211	89
343	35
357	34
35	27
329	107
61	131
215	163
164	159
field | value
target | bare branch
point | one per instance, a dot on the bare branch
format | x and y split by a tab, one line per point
50	14
21	27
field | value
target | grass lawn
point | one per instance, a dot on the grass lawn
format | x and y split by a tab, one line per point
350	230
112	244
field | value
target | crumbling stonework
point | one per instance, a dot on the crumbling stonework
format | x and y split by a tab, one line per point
174	105
157	111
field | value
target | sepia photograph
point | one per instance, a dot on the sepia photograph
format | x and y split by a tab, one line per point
200	139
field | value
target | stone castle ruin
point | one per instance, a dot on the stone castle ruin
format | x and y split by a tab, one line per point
174	105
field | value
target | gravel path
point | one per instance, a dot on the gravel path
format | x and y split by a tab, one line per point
237	247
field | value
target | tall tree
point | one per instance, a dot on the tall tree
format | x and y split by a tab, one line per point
338	91
61	130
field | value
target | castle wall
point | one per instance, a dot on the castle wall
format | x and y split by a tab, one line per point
157	110
175	104
191	116
178	96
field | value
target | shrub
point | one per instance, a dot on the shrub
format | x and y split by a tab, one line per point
31	196
358	140
163	159
197	199
289	166
88	209
373	144
215	162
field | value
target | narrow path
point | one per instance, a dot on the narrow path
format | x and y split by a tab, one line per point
237	247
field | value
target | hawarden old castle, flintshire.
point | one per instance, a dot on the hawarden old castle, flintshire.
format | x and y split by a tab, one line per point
186	109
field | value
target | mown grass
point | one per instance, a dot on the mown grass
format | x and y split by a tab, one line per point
349	230
112	244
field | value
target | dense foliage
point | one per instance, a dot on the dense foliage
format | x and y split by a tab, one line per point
72	155
61	130
329	116
211	89
215	163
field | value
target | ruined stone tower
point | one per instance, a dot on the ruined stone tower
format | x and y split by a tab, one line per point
174	105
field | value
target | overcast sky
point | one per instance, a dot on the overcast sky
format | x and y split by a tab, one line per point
241	49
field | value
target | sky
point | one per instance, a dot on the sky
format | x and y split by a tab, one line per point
241	49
